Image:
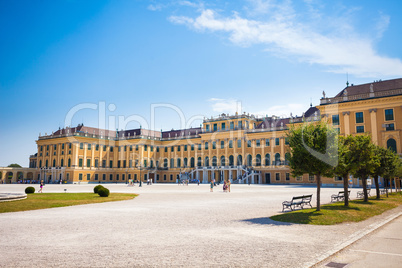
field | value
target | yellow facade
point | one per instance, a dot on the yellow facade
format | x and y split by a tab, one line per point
242	148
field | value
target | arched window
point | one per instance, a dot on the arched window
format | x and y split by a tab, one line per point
277	159
199	162
185	162
171	163
214	145
267	160
223	161
54	162
206	145
40	163
47	163
249	160
165	163
192	162
62	163
258	160
206	162
231	160
391	145
178	162
69	162
239	160
214	161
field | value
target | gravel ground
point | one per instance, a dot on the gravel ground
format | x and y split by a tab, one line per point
170	226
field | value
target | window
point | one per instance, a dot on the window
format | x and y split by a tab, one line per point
389	114
192	147
131	148
178	162
276	141
124	163
145	148
287	141
178	148
89	146
359	129
267	159
258	143
223	126
96	163
96	177
391	145
311	177
81	146
97	147
215	127
299	178
230	144
198	161
166	148
80	162
55	147
157	149
136	147
62	146
172	149
104	148
267	142
80	177
222	145
238	143
111	177
185	148
278	176
88	162
287	177
232	125
199	147
125	148
335	119
69	146
88	177
152	148
359	118
171	163
103	163
239	124
164	177
185	162
41	148
249	143
111	149
145	163
213	145
110	164
69	162
389	127
207	128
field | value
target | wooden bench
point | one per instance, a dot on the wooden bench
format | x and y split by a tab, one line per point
360	194
297	201
339	197
384	191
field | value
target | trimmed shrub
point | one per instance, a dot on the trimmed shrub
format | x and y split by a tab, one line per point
97	187
29	190
103	192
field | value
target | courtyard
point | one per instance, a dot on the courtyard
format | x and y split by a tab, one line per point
172	225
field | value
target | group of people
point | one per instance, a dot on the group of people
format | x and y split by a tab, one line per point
226	186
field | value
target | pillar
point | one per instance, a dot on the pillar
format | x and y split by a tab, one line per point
346	122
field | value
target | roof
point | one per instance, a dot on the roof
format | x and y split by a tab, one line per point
181	132
365	88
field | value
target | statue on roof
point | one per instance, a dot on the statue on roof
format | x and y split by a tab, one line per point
371	88
323	94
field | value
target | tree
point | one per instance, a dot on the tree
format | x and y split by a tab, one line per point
14	165
345	166
363	159
314	151
387	165
394	169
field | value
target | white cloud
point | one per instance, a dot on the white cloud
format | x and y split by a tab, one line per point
230	106
285	35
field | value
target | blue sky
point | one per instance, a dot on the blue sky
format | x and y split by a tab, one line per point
193	59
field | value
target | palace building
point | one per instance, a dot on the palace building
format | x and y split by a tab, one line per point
240	147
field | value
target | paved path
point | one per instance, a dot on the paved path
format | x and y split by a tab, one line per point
173	226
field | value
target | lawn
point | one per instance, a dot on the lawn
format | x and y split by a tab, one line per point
336	213
53	200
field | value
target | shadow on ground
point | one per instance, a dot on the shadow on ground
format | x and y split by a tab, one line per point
265	221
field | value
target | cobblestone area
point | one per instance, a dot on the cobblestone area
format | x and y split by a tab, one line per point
169	226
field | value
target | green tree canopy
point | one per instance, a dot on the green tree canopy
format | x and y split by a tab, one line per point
314	151
14	165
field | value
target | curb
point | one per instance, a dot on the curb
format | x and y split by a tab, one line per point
358	235
4	197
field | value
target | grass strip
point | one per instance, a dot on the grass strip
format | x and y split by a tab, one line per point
53	200
336	213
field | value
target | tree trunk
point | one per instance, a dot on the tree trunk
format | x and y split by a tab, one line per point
364	182
346	189
318	192
377	187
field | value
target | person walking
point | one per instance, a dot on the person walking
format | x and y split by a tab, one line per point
228	186
41	186
212	186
